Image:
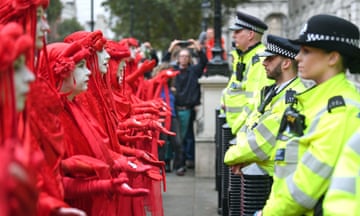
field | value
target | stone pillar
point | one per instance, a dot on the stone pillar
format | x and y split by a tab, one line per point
211	88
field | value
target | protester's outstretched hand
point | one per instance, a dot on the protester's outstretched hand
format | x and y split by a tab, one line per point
63	211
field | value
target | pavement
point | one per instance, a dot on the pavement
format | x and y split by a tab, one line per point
189	195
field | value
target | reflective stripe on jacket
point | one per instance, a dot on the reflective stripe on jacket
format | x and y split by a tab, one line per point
303	165
343	196
256	139
238	94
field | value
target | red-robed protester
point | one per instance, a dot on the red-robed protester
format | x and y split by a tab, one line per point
30	15
131	122
18	193
97	100
83	135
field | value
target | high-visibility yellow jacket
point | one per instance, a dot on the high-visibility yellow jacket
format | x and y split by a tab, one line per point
256	139
343	196
304	164
235	59
237	96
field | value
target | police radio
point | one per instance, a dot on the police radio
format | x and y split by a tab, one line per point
292	124
240	67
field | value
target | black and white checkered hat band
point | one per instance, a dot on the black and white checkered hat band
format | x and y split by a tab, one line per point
248	25
280	51
311	37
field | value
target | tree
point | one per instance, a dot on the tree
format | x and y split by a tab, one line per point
53	12
159	21
67	27
60	29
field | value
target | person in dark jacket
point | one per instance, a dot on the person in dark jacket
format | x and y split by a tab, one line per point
187	90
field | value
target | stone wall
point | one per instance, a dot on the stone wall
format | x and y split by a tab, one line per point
287	17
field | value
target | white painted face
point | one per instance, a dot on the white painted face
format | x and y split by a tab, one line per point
132	52
81	76
22	79
103	60
120	71
42	27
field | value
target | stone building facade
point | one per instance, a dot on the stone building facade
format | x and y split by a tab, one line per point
286	17
300	11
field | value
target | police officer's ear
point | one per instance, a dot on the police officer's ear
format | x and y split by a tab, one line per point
334	57
286	63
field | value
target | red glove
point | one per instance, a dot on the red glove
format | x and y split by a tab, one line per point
147	65
161	142
145	157
123	137
148	158
126	190
149	103
155	125
76	188
154	175
140	110
130	123
143	116
130	164
167	73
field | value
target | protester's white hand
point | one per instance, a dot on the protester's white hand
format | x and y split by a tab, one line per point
70	212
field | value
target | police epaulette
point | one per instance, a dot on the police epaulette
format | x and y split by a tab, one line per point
255	59
336	101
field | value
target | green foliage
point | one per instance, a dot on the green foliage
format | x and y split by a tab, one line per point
67	27
161	21
54	10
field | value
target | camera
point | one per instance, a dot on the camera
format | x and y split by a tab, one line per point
184	43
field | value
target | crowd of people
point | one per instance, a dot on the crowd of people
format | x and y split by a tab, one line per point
90	125
295	114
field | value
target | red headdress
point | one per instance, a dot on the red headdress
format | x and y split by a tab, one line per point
23	12
130	42
117	53
16	10
14	43
94	41
62	59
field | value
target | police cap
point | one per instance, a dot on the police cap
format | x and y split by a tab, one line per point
247	21
279	46
330	33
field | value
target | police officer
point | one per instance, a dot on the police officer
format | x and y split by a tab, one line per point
315	128
343	196
249	75
256	139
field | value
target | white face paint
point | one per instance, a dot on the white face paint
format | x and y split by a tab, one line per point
103	60
132	52
22	79
77	82
120	71
81	76
42	27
